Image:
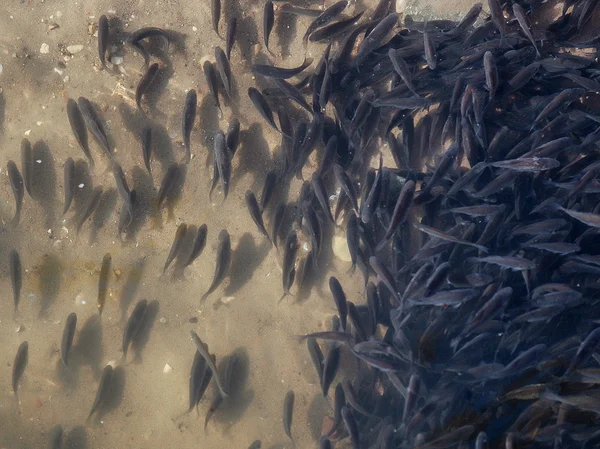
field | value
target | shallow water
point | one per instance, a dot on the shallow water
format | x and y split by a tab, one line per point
60	270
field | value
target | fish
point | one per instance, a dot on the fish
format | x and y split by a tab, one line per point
430	52
288	413
352	237
27	164
168	184
203	350
376	37
268	22
16	184
230	36
123	189
145	83
321	194
335	29
228	365
232	138
198	244
67	338
223	162
339	401
368	207
339	298
19	365
521	17
103	39
103	391
586	349
586	218
268	190
497	17
401	210
224	70
187	122
525	164
176	246
147	147
351	427
270	71
16	280
276	222
447	237
256	444
316	355
222	265
197	374
133	325
103	281
69	183
330	368
79	129
261	105
90	207
93	125
255	213
211	80
491	74
314	228
324	18
347	186
215	8
402	69
289	263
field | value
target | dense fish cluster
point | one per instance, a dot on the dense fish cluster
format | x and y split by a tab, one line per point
478	245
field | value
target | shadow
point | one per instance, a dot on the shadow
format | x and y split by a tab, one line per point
88	350
175	194
67	376
142	209
317	411
253	155
81	178
43	180
162	147
246	258
185	252
49	282
114	395
158	87
103	212
77	438
143	334
2	111
209	117
131	285
101	122
285	29
247	31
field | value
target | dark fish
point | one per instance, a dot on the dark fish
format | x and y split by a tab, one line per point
467	21
256	444
352	237
222	161
197	374
376	37
215	8
255	213
565	97
69	183
228	366
90	207
372	200
93	124
261	105
103	39
527	164
521	17
330	368
67	338
338	402
147	147
203	350
145	83
19	366
347	186
587	218
187	121
123	189
268	190
400	212
271	71
333	336
351	427
103	282
352	399
497	17
222	265
491	73
447	237
523	76
79	129
384	274
276	222
288	413
585	350
168	183
430	52
334	30
402	69
16	183
511	262
329	157
316	355
289	262
230	36
268	22
103	391
133	325
314	228
324	18
321	194
27	164
176	246
56	437
232	138
14	264
198	245
339	298
211	80
224	70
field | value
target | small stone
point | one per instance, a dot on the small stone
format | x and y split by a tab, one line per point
52	26
81	186
1	69
194	29
64	232
74	49
27	132
57	70
193	320
37	403
116	60
117	273
167	369
45	49
19	328
162	320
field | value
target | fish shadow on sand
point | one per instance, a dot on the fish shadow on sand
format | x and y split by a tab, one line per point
142	208
253	156
49	281
247	32
2	111
103	213
77	438
132	282
184	254
82	178
157	88
114	395
89	350
317	411
285	29
246	258
43	188
208	116
143	334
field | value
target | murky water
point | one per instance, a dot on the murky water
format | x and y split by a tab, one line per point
61	269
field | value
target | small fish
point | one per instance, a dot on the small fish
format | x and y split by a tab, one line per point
352	237
347	186
103	281
168	183
268	189
16	280
93	124
316	355
222	161
187	121
289	262
527	164
90	207
145	83
339	401
19	366
335	29
197	374
324	18
69	183
384	274
447	237
103	39
16	183
314	227
430	52
232	138
339	298
67	338
321	193
585	350
288	413
79	129
223	261
587	218
400	212
351	427
270	71
276	222
256	444
330	368
376	37
147	147
224	70
511	262
491	73
255	213
497	17
198	244
230	35
371	202
176	246
27	164
103	391
123	189
211	80
215	8
203	350
228	367
521	17
268	22
133	325
261	105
